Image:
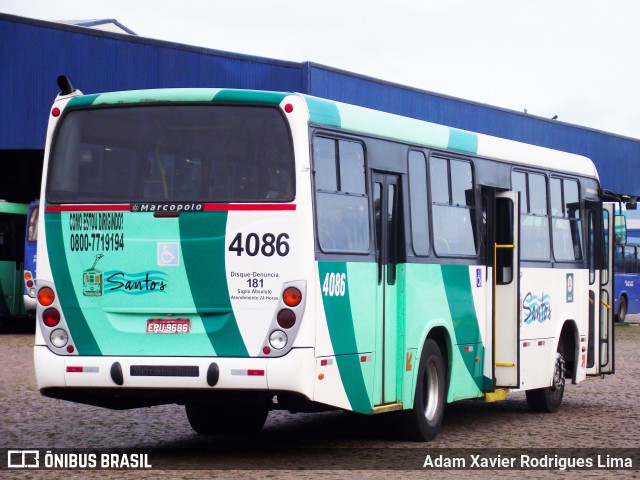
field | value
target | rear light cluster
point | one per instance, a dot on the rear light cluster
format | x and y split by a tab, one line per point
54	332
29	284
285	324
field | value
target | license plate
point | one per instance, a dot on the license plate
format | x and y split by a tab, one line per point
168	325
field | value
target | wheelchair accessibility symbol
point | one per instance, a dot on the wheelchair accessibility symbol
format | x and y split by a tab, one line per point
168	254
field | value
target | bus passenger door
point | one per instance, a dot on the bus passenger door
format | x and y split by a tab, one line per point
600	353
386	198
506	288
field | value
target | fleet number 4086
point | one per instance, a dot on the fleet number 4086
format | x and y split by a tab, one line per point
269	244
334	284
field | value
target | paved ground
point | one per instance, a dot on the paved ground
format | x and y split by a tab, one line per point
595	414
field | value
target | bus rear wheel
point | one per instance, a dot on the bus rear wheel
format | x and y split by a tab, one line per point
423	421
212	420
549	399
622	309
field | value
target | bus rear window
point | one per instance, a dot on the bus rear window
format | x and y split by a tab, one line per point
176	153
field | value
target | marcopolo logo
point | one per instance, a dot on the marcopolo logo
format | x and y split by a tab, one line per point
167	207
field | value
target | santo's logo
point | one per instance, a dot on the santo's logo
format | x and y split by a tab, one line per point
536	308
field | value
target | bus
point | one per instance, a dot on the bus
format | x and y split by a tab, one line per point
243	251
627	276
12	224
30	247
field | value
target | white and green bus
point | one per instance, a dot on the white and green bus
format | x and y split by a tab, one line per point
243	251
13	219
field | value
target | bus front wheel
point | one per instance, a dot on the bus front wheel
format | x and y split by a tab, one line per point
211	420
549	399
423	421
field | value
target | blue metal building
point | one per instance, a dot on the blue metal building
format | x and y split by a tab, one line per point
35	52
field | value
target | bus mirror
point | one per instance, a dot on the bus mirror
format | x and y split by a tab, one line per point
620	230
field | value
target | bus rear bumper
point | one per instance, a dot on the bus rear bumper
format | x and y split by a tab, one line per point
158	380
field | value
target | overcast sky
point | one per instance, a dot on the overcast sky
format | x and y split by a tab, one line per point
578	59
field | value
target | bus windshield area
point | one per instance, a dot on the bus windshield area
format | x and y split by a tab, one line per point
172	153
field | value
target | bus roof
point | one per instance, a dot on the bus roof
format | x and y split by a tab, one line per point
419	132
369	122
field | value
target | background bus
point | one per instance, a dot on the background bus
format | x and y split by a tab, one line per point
13	218
243	251
627	270
30	255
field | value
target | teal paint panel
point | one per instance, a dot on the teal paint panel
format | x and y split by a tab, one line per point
460	299
463	141
155	96
338	311
83	337
249	96
203	249
323	112
351	373
384	125
343	339
82	101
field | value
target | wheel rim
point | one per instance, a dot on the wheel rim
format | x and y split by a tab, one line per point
432	391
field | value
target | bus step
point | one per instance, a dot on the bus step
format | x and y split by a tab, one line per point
390	407
496	396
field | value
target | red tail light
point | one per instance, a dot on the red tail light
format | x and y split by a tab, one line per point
51	317
286	318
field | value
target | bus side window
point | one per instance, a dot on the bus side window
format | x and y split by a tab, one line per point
341	202
630	265
567	221
619	259
419	207
454	226
534	218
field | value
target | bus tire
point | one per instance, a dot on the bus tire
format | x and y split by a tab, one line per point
549	399
212	420
622	309
422	422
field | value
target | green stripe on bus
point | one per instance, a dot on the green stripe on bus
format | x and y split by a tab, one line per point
82	101
463	141
249	96
14	208
457	285
343	339
323	111
202	236
179	95
83	337
156	96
